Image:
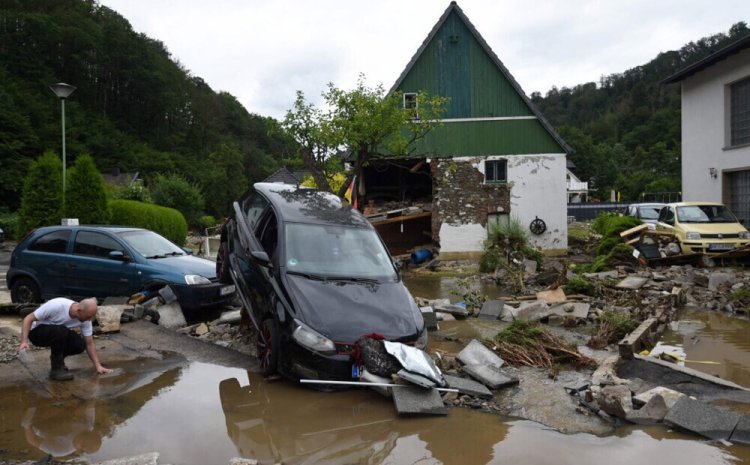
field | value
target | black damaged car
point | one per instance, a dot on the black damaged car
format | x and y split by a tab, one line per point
315	277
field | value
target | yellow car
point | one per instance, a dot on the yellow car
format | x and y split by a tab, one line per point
703	227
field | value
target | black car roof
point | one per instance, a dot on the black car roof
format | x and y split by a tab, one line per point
303	205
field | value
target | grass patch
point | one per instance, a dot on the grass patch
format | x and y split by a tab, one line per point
611	327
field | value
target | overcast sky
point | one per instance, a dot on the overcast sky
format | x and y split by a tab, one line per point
262	52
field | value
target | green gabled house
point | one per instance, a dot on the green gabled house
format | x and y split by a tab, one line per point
494	157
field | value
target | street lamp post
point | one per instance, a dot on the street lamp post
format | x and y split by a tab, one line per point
63	91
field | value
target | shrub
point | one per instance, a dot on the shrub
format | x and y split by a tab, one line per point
41	198
9	223
502	240
86	198
164	220
133	191
176	192
208	221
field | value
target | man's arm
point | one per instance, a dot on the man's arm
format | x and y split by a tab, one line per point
91	351
25	328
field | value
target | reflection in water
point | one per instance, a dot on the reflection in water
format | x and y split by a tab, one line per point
60	430
715	343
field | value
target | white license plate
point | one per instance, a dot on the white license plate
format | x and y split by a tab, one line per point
226	290
721	246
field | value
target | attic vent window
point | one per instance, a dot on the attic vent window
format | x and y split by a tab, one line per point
453	38
411	104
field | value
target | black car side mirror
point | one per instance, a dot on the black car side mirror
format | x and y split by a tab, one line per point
188	250
262	258
118	255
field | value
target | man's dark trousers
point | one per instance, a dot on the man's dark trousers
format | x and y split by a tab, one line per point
61	340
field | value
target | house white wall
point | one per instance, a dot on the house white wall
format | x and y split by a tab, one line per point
537	189
705	108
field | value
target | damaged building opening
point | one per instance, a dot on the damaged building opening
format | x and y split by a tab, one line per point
397	199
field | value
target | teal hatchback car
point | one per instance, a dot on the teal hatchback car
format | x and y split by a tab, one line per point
107	261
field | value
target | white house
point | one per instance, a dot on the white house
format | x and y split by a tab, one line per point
716	128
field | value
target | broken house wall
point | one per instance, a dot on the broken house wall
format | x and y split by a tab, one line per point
462	201
705	137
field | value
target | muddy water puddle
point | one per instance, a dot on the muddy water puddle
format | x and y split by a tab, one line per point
205	414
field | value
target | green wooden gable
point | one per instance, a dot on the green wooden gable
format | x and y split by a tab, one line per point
488	113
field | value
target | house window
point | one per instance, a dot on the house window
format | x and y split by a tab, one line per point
739	113
411	104
495	171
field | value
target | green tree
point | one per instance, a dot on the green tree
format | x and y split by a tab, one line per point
41	198
176	192
366	121
85	196
226	180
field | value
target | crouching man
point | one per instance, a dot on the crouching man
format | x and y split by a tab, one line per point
51	325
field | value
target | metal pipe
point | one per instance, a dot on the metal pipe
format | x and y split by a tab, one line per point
365	383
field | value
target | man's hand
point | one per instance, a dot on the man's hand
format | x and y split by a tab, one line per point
102	370
23	346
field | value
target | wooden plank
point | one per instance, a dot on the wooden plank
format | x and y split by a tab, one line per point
402	218
633	230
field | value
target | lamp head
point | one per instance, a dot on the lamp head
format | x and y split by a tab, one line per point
62	90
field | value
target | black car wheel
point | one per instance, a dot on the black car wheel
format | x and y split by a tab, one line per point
24	291
222	263
268	346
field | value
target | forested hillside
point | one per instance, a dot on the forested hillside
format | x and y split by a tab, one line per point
135	108
625	130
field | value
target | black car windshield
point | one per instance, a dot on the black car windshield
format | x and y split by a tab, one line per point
336	252
705	214
149	244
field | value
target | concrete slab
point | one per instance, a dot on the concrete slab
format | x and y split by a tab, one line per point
632	282
455	310
527	311
468	386
493	378
413	401
741	433
577	310
476	353
701	418
491	309
171	316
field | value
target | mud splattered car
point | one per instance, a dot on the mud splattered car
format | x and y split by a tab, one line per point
314	276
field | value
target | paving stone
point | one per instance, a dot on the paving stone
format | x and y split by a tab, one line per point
555	296
670	396
651	413
741	433
527	311
468	386
632	282
577	310
476	353
170	316
493	378
701	418
412	400
530	266
491	309
430	319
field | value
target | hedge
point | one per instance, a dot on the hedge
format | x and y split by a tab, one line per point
164	220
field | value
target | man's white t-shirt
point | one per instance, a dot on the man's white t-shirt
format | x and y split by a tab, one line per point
56	312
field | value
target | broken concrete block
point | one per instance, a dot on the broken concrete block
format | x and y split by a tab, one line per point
429	317
229	317
468	386
577	310
242	461
670	396
476	353
605	374
632	282
616	400
718	278
555	296
455	310
167	294
701	418
440	316
741	433
108	317
170	316
492	377
530	267
527	311
603	274
201	329
651	413
412	400
491	309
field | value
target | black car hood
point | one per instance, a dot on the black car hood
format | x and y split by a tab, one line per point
345	311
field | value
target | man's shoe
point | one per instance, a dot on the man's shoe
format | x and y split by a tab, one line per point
60	374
